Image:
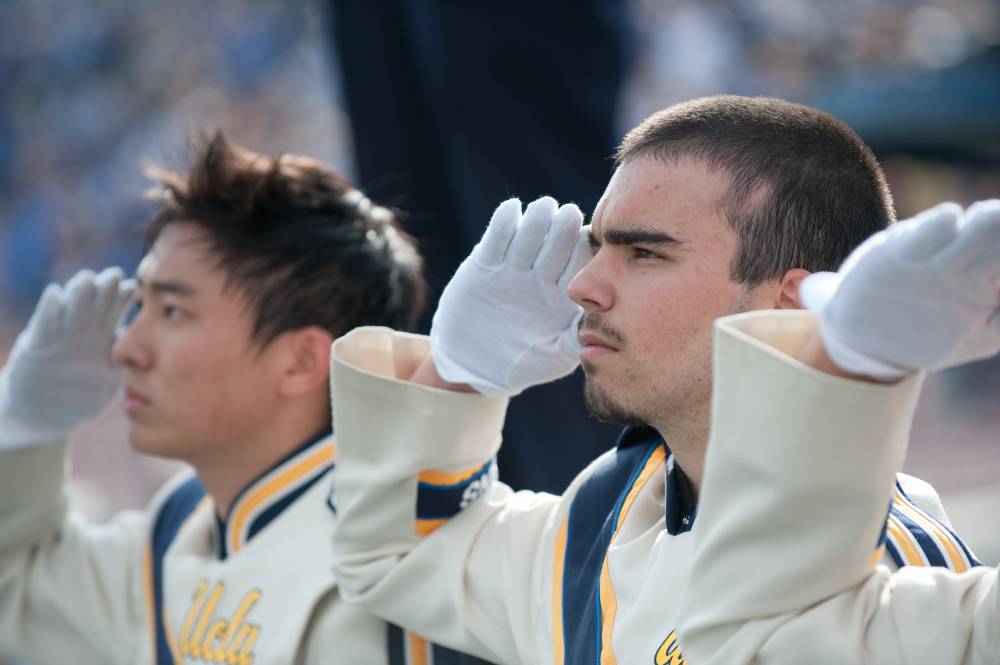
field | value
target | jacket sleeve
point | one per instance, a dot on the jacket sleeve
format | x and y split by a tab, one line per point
424	537
798	477
70	591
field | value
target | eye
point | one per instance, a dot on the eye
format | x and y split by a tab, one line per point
642	253
172	312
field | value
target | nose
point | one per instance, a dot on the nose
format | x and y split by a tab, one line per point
131	349
591	288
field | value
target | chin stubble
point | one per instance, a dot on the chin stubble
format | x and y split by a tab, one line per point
603	407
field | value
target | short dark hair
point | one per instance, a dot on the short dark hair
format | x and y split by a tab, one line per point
302	244
804	189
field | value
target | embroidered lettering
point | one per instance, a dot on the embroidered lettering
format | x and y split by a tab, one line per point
199	598
214	639
478	487
669	653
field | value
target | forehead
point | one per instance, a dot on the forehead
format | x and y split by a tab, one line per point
181	252
681	196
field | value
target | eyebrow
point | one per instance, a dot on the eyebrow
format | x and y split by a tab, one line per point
634	236
168	286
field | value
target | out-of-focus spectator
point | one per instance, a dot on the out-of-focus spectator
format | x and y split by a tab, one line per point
456	106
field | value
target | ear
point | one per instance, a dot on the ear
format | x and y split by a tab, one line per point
305	361
788	289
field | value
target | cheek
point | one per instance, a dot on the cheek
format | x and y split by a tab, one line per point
669	307
674	320
211	384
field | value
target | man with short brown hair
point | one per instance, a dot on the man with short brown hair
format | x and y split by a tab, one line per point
718	206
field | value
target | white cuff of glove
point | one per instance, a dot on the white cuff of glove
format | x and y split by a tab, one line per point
453	372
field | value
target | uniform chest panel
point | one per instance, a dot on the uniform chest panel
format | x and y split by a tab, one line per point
614	533
648	575
255	605
238	612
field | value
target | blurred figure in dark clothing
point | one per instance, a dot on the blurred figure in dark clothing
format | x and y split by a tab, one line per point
457	105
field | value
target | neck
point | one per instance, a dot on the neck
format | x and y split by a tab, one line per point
687	439
227	470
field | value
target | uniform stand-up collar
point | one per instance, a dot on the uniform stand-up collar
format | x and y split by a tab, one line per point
681	506
266	497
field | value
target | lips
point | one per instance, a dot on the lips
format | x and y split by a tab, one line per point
135	401
590	339
594	346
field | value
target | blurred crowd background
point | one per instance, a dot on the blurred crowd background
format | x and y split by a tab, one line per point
91	89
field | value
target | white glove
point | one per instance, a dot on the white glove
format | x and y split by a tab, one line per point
504	322
922	294
60	372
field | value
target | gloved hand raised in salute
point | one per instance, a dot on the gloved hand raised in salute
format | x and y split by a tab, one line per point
504	321
60	371
923	294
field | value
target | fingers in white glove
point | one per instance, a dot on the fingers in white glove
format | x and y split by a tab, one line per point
504	321
106	297
916	239
79	297
496	239
60	372
558	247
977	250
569	341
924	294
46	321
531	233
981	343
982	210
582	253
817	289
127	289
929	232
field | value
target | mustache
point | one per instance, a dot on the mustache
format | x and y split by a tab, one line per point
593	322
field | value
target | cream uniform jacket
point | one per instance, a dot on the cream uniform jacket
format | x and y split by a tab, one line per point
780	573
425	539
174	584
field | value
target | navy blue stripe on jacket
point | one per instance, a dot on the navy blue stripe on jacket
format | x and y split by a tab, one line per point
591	523
174	511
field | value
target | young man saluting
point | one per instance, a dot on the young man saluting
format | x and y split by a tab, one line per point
253	266
718	206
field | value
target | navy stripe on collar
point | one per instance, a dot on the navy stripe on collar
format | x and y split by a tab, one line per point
681	504
637	435
273	491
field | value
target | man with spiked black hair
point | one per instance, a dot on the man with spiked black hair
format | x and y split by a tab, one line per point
253	266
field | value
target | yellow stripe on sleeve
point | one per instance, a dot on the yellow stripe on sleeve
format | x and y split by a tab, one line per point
431	477
427	527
